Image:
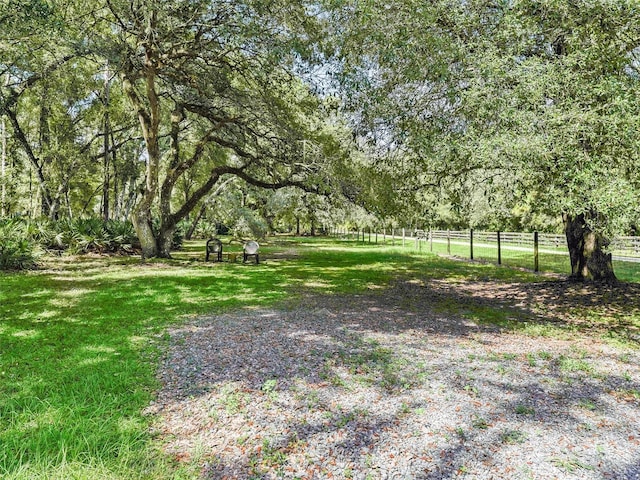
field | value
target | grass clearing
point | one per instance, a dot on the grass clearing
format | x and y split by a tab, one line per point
80	340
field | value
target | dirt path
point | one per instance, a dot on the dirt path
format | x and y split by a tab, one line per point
382	386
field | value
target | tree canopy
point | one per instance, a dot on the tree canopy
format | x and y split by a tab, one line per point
200	89
496	112
532	103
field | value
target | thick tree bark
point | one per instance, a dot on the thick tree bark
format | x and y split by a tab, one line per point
587	251
143	225
164	242
3	166
149	117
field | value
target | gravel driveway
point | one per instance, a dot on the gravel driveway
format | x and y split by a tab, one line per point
380	386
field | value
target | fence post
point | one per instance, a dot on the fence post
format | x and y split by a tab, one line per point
376	235
499	251
403	237
535	252
430	240
448	242
393	236
471	243
384	234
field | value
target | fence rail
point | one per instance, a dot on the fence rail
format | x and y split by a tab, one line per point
538	251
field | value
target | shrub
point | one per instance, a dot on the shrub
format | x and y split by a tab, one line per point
88	235
17	250
207	229
44	232
95	235
179	234
82	235
122	235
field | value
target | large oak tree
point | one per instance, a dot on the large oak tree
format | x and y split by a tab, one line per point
214	87
214	82
527	101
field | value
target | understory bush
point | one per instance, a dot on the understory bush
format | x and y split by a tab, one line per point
17	250
20	238
207	229
179	234
86	235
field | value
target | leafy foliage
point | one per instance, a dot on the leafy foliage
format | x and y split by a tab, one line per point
501	107
17	249
21	238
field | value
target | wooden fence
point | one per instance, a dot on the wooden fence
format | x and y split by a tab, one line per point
517	248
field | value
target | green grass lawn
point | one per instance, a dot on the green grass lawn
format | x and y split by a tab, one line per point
80	338
547	262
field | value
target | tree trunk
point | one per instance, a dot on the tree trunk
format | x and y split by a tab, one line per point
3	168
43	192
194	224
143	225
164	242
589	260
106	180
149	117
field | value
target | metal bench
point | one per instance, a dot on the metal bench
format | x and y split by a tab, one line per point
214	246
250	249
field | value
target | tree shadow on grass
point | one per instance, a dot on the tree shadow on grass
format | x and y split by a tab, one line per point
595	308
77	360
72	338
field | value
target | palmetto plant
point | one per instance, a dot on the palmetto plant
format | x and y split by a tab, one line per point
20	238
121	234
17	250
95	235
88	235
